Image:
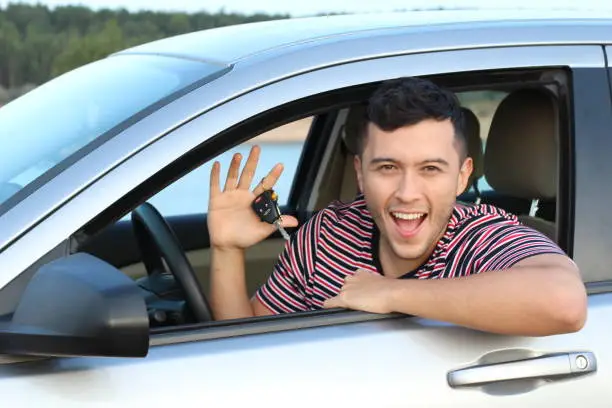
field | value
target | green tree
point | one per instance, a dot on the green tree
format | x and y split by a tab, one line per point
4	95
40	47
94	46
69	18
178	24
10	54
38	43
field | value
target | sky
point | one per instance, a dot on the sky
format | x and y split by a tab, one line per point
311	7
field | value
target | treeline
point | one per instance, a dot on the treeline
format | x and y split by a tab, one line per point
38	43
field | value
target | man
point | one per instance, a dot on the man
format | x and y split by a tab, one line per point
395	247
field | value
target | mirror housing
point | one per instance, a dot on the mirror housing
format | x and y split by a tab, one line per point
78	305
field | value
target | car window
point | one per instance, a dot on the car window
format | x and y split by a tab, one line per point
483	104
284	144
73	110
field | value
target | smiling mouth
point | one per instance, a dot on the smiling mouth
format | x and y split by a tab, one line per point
408	224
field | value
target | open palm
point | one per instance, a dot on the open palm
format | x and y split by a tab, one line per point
232	223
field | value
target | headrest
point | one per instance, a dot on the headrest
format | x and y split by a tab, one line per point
474	143
352	127
521	150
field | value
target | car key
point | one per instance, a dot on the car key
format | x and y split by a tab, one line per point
265	206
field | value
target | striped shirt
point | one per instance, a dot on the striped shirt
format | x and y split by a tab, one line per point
342	238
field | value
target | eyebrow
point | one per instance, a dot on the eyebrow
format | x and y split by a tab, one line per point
377	160
436	160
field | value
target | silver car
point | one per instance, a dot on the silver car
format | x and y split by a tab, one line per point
104	252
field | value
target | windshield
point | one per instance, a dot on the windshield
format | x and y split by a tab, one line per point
45	126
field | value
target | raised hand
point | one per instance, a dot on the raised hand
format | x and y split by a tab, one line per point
232	223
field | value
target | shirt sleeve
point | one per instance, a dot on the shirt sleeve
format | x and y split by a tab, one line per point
285	291
508	242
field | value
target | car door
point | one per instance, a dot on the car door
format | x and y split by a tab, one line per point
345	357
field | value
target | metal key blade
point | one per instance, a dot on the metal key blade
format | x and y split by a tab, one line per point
279	227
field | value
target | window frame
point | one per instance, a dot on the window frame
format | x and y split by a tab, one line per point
219	123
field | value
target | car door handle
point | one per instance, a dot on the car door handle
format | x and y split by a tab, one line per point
548	366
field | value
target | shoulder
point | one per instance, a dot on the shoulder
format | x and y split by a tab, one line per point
467	212
495	237
481	216
483	225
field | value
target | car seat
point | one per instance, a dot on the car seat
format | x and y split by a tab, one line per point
521	153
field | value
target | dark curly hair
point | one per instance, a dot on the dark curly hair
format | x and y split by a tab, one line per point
407	101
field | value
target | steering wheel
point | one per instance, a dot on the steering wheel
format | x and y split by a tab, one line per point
157	242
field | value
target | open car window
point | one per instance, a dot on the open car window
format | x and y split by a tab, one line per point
332	160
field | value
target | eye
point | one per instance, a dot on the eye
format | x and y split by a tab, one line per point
431	169
386	167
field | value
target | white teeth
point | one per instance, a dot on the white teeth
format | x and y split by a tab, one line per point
405	216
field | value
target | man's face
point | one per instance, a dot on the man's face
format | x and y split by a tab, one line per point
410	178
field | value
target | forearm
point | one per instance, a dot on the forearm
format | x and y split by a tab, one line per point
228	290
521	301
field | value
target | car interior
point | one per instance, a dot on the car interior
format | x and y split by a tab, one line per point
512	122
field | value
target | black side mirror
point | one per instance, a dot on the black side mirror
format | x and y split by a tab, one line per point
78	306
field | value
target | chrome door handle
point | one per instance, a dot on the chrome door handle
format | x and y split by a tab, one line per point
548	366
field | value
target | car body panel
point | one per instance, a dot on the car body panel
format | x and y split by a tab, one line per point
388	363
231	44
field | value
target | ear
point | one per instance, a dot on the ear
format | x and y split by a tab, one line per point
358	172
464	175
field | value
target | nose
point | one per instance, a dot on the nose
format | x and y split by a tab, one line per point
409	187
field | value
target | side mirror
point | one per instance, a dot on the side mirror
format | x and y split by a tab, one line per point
78	306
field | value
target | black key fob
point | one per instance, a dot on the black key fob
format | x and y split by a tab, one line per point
266	207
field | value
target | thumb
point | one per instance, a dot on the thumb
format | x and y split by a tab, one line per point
288	221
332	302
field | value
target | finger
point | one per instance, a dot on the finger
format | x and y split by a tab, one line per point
333	302
288	221
246	178
214	179
232	173
269	180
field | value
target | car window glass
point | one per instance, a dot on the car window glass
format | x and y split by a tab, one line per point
483	104
73	110
189	195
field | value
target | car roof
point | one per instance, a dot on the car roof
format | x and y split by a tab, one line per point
229	44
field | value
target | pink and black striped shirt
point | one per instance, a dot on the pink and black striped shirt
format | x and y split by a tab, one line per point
342	238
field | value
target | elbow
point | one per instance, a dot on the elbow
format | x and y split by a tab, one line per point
569	310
